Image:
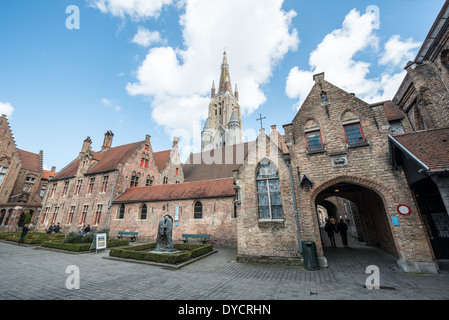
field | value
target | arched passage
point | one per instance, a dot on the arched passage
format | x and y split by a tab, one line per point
370	205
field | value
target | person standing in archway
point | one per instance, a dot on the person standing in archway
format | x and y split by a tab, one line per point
342	227
329	228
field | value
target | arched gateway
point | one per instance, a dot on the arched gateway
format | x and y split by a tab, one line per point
380	223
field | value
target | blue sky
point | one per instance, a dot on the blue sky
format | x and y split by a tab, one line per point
141	67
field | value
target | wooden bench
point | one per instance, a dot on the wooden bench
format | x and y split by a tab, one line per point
203	237
132	235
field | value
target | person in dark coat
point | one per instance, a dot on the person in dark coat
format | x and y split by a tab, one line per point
25	230
329	228
342	227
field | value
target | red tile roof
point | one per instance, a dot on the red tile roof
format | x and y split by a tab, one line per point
179	191
392	111
30	161
161	158
46	174
431	147
108	160
202	166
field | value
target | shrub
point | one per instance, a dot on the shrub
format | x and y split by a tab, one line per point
75	237
75	247
137	253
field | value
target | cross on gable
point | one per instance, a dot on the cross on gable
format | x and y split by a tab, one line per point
260	119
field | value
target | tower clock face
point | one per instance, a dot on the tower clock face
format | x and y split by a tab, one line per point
404	209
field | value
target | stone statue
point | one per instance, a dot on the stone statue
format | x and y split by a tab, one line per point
164	242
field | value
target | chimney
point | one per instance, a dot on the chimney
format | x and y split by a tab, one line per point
53	169
86	145
107	142
41	159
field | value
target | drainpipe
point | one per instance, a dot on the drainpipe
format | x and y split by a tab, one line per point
110	201
43	205
287	160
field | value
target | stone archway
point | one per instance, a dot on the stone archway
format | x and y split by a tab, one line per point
371	206
402	236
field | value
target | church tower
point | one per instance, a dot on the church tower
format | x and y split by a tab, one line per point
224	123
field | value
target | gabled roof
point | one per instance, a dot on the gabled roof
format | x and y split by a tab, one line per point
430	147
161	158
108	160
30	161
46	174
179	191
204	166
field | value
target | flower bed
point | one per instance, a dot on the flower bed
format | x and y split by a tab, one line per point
144	252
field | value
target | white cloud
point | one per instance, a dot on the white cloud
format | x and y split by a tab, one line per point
336	56
398	52
135	9
110	104
145	37
6	108
256	37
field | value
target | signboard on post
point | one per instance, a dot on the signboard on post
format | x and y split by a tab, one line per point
100	241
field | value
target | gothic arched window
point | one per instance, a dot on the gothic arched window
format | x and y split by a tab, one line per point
269	191
143	212
198	210
121	212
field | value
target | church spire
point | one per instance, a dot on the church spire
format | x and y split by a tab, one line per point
225	79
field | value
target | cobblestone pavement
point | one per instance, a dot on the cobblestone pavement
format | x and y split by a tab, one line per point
38	274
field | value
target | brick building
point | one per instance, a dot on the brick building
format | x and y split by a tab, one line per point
385	163
82	192
23	181
422	152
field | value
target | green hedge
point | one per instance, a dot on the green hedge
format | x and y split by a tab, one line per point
32	237
137	253
77	247
81	247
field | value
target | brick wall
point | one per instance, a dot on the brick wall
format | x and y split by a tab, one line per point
217	220
367	167
269	237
